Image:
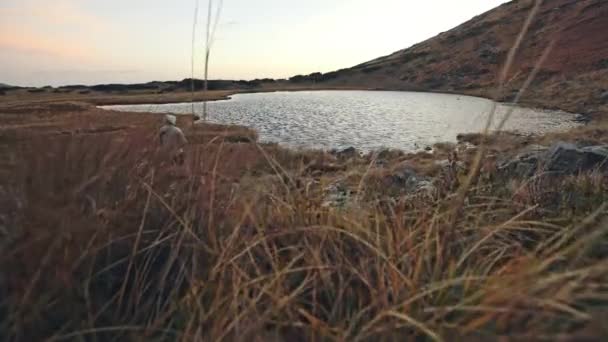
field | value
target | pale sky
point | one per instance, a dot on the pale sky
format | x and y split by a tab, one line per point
56	42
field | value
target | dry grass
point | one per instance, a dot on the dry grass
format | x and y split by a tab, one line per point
109	244
105	241
19	97
23	97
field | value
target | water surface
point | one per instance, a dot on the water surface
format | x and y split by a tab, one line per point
367	120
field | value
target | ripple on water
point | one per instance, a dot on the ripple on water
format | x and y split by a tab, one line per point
367	120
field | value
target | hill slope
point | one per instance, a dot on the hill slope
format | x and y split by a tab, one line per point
469	58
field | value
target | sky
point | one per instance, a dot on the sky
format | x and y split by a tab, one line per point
63	42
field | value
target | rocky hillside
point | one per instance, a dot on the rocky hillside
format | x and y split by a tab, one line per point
468	59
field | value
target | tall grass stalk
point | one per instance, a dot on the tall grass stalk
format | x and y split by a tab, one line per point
193	54
212	23
474	170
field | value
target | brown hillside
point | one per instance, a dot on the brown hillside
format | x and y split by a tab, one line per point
469	58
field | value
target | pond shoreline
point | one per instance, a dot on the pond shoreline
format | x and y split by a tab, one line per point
224	95
100	98
366	120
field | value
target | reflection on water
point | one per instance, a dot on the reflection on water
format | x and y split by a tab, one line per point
367	120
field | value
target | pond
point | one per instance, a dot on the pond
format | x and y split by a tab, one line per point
367	120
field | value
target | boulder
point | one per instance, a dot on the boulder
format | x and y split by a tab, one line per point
525	164
568	158
561	158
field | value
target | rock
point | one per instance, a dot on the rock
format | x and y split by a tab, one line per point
402	173
567	158
562	158
348	153
408	179
581	118
525	164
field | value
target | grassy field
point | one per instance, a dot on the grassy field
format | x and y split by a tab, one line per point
29	96
105	241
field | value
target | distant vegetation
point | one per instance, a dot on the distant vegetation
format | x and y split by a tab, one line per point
7	87
186	85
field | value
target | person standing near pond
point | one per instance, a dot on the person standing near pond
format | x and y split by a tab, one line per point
173	140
